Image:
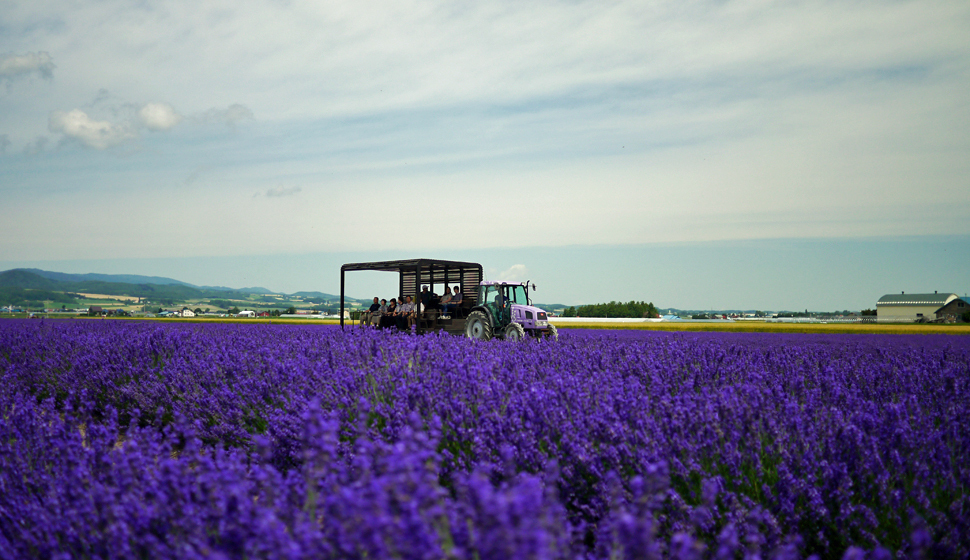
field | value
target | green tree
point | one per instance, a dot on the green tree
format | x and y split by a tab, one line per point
632	309
234	311
291	310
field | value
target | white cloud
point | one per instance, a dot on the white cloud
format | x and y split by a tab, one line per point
159	116
127	120
13	66
77	125
515	273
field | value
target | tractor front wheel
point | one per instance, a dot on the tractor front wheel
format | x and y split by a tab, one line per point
514	332
478	326
552	333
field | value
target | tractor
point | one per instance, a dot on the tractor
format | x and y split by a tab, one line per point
505	311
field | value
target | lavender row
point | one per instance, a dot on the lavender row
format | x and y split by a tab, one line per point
606	444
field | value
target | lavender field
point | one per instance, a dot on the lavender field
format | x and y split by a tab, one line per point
154	440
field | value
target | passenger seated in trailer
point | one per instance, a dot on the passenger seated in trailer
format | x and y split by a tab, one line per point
375	318
453	304
444	301
429	305
388	318
365	316
416	309
427	297
404	314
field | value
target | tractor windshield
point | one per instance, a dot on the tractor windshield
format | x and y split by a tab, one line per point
518	295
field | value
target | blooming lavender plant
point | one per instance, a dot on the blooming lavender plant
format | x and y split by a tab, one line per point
159	440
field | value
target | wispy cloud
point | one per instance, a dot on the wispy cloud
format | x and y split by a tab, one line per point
37	146
280	192
230	116
17	66
196	174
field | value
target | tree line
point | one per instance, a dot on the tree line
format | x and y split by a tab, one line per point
632	309
34	298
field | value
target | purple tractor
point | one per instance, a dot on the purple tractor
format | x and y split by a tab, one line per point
505	311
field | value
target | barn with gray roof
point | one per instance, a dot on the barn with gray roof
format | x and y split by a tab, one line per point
905	307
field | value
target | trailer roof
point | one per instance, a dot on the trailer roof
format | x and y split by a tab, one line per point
408	264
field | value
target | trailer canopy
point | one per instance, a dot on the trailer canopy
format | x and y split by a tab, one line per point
413	273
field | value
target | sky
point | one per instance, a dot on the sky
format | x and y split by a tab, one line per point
697	154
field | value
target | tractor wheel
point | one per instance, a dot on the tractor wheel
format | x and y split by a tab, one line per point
552	333
478	326
514	332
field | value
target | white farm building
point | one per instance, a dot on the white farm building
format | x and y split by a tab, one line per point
905	307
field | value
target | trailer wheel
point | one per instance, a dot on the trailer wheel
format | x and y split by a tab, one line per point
478	326
514	332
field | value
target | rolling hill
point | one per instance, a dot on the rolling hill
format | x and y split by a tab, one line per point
154	288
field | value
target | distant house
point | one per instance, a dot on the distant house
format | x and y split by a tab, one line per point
954	310
905	307
186	312
246	313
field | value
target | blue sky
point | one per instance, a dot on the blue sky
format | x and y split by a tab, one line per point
707	146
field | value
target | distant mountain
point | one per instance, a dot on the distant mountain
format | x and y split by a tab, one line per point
550	306
316	295
258	290
27	279
21	278
91	276
152	287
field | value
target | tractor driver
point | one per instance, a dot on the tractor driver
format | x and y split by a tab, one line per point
499	300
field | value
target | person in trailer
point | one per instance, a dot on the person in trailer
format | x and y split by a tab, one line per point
454	303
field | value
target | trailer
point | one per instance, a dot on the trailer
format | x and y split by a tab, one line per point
414	273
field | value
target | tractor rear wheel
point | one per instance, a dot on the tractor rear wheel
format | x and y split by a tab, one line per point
514	332
478	326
